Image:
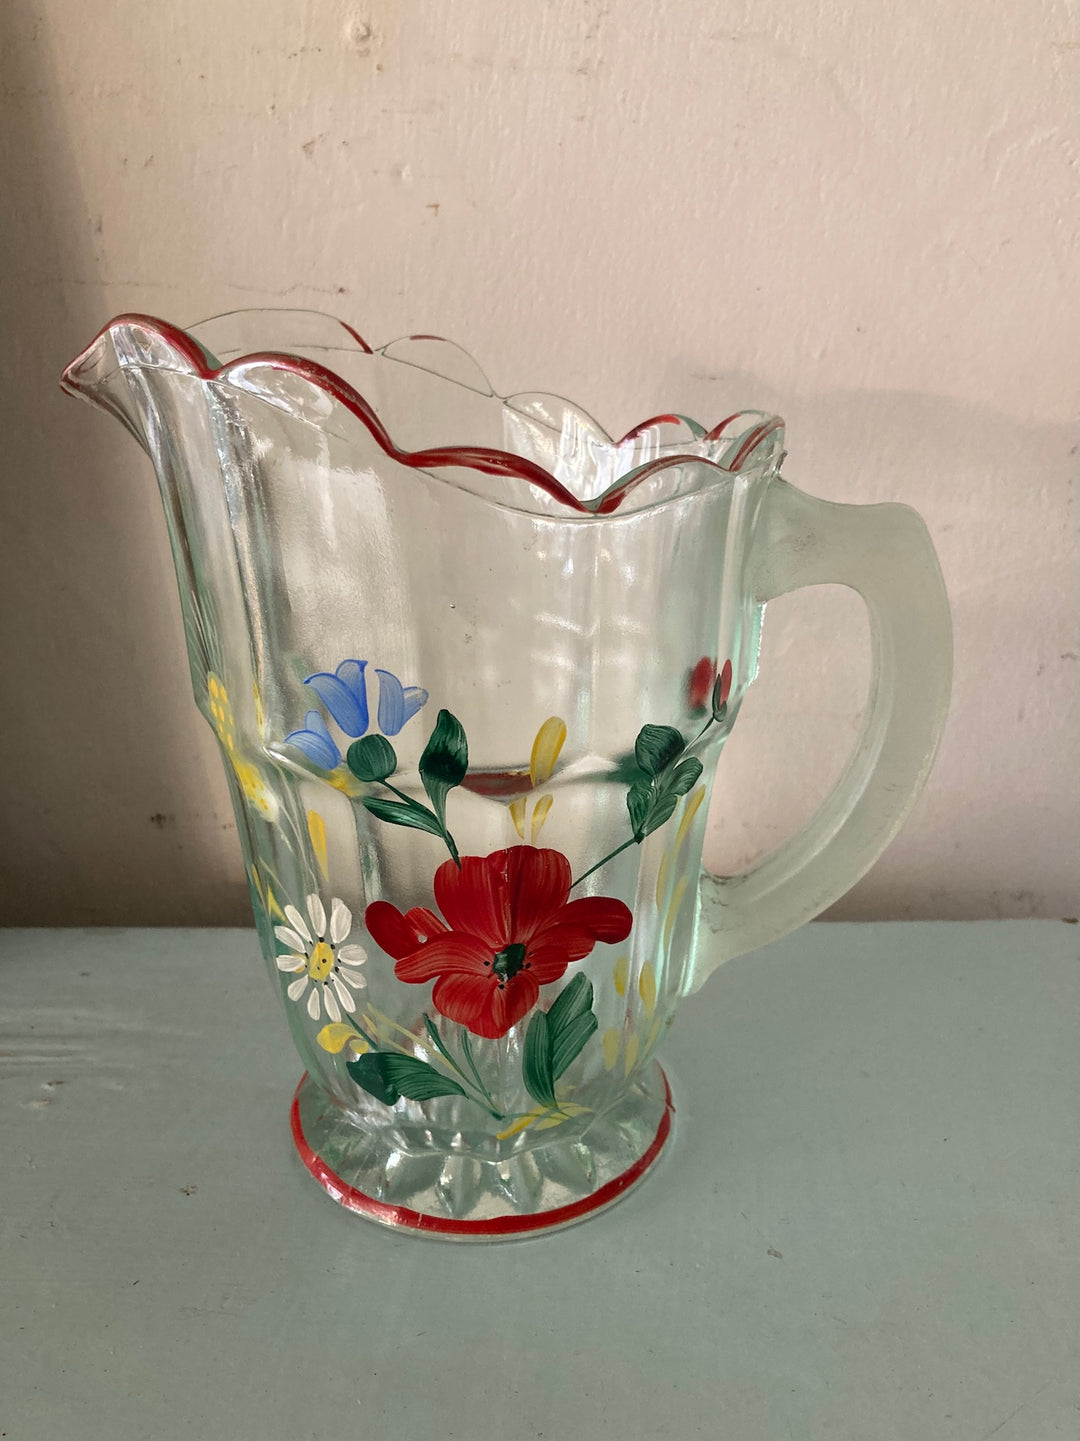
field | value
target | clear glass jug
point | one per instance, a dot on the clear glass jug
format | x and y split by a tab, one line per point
471	664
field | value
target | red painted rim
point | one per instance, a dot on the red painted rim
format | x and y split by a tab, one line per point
488	461
409	1219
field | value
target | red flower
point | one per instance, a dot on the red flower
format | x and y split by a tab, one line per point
699	687
511	930
704	685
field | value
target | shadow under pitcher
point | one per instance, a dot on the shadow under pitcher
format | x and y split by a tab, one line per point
471	664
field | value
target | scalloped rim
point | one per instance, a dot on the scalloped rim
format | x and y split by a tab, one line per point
479	458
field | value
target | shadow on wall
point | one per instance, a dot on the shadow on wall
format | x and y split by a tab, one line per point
113	808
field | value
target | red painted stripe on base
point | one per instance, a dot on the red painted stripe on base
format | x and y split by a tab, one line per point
403	1216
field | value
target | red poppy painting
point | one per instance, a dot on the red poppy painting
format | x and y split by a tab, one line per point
509	929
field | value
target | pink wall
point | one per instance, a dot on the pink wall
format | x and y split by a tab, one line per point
862	216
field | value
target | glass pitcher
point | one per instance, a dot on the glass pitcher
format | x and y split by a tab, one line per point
471	664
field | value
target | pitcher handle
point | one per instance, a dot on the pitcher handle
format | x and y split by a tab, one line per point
883	552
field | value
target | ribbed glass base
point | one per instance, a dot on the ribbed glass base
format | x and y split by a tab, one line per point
393	1177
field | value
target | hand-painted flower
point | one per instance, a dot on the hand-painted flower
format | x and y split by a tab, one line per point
397	703
344	694
509	930
248	775
700	684
704	684
316	741
325	969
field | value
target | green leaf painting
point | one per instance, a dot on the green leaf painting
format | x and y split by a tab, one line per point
556	1037
536	1069
445	761
651	803
656	747
388	1076
367	1073
404	813
570	1041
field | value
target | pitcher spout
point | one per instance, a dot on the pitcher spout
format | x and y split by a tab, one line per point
95	376
152	378
103	374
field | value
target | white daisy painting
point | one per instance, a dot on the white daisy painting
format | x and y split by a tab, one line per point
327	970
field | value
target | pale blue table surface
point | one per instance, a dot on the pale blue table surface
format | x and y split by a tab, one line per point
866	1229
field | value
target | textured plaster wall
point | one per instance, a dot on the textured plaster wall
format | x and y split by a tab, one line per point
859	214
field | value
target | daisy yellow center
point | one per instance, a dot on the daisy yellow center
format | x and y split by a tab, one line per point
321	961
509	961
